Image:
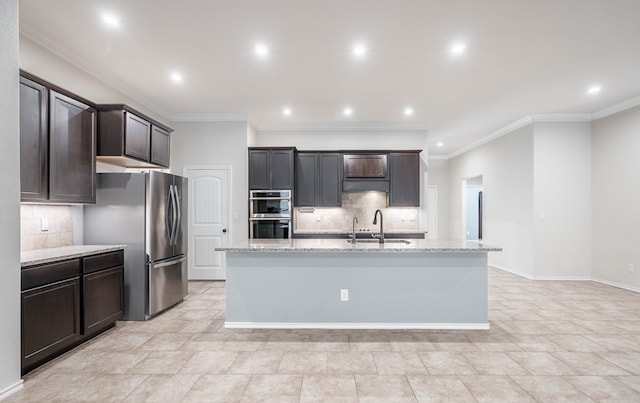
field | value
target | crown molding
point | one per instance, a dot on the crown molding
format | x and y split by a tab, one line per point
363	126
209	117
438	157
561	118
619	107
91	69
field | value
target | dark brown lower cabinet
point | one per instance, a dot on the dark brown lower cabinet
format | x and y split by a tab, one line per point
68	302
50	321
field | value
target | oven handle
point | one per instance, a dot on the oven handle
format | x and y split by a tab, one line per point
288	218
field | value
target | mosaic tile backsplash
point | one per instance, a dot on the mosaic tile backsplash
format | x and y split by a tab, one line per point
60	221
361	205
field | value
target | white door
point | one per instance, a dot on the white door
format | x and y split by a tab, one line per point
432	212
209	202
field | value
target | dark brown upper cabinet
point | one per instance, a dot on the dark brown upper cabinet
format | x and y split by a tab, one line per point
34	141
271	168
72	150
318	179
128	138
404	179
365	166
57	144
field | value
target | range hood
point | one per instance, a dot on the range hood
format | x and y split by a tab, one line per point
365	172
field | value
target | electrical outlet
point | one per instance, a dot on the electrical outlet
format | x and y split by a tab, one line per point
44	224
630	268
344	294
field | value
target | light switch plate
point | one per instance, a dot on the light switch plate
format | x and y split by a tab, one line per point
44	224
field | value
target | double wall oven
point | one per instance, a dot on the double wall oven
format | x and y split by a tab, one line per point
270	214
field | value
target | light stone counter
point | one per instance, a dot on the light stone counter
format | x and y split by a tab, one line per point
40	256
342	245
331	283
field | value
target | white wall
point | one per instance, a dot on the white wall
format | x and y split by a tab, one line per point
41	62
216	143
438	175
616	198
9	201
562	200
343	140
506	166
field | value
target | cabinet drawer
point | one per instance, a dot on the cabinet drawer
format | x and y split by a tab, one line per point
103	261
36	276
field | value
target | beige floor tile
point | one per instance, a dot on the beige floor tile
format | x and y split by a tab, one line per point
541	363
108	388
328	388
447	363
209	362
273	387
550	389
166	342
358	362
434	388
119	341
590	364
494	363
534	343
615	342
398	363
631	381
162	362
162	388
627	361
56	387
259	362
218	388
370	341
303	362
604	389
576	343
384	388
493	389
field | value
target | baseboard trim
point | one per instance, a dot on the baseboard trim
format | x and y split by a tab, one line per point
617	285
292	325
11	389
511	271
561	278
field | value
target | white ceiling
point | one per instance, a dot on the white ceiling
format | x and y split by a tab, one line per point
524	57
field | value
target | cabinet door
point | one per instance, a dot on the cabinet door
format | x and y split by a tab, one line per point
330	180
72	150
103	299
259	173
404	181
281	169
306	190
50	321
137	137
34	147
160	144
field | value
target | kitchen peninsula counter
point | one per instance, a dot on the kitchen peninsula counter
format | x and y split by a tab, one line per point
301	283
50	255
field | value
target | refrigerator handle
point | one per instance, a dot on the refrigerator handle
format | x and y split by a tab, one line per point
174	205
179	214
167	214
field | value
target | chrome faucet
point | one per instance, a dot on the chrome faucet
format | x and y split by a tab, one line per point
353	230
375	221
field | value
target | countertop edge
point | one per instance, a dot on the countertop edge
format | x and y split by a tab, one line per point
50	255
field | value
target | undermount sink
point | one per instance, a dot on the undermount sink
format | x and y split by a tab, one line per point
404	241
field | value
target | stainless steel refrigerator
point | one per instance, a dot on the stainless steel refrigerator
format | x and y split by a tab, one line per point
147	212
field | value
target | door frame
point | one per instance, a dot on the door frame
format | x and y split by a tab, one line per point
229	170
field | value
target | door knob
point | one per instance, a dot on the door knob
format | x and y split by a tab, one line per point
224	230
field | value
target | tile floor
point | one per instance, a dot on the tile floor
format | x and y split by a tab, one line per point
549	341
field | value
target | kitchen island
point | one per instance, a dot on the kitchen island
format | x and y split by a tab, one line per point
332	283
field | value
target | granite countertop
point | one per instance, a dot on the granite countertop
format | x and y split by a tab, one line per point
340	232
341	245
40	256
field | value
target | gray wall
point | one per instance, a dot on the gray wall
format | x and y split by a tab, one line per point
9	199
616	198
217	143
438	175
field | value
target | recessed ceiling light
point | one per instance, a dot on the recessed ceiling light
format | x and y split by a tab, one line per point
360	50
176	77
261	50
594	90
286	111
110	20
440	144
458	48
347	111
408	111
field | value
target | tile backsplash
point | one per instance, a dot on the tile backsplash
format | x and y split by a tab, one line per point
361	205
60	222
